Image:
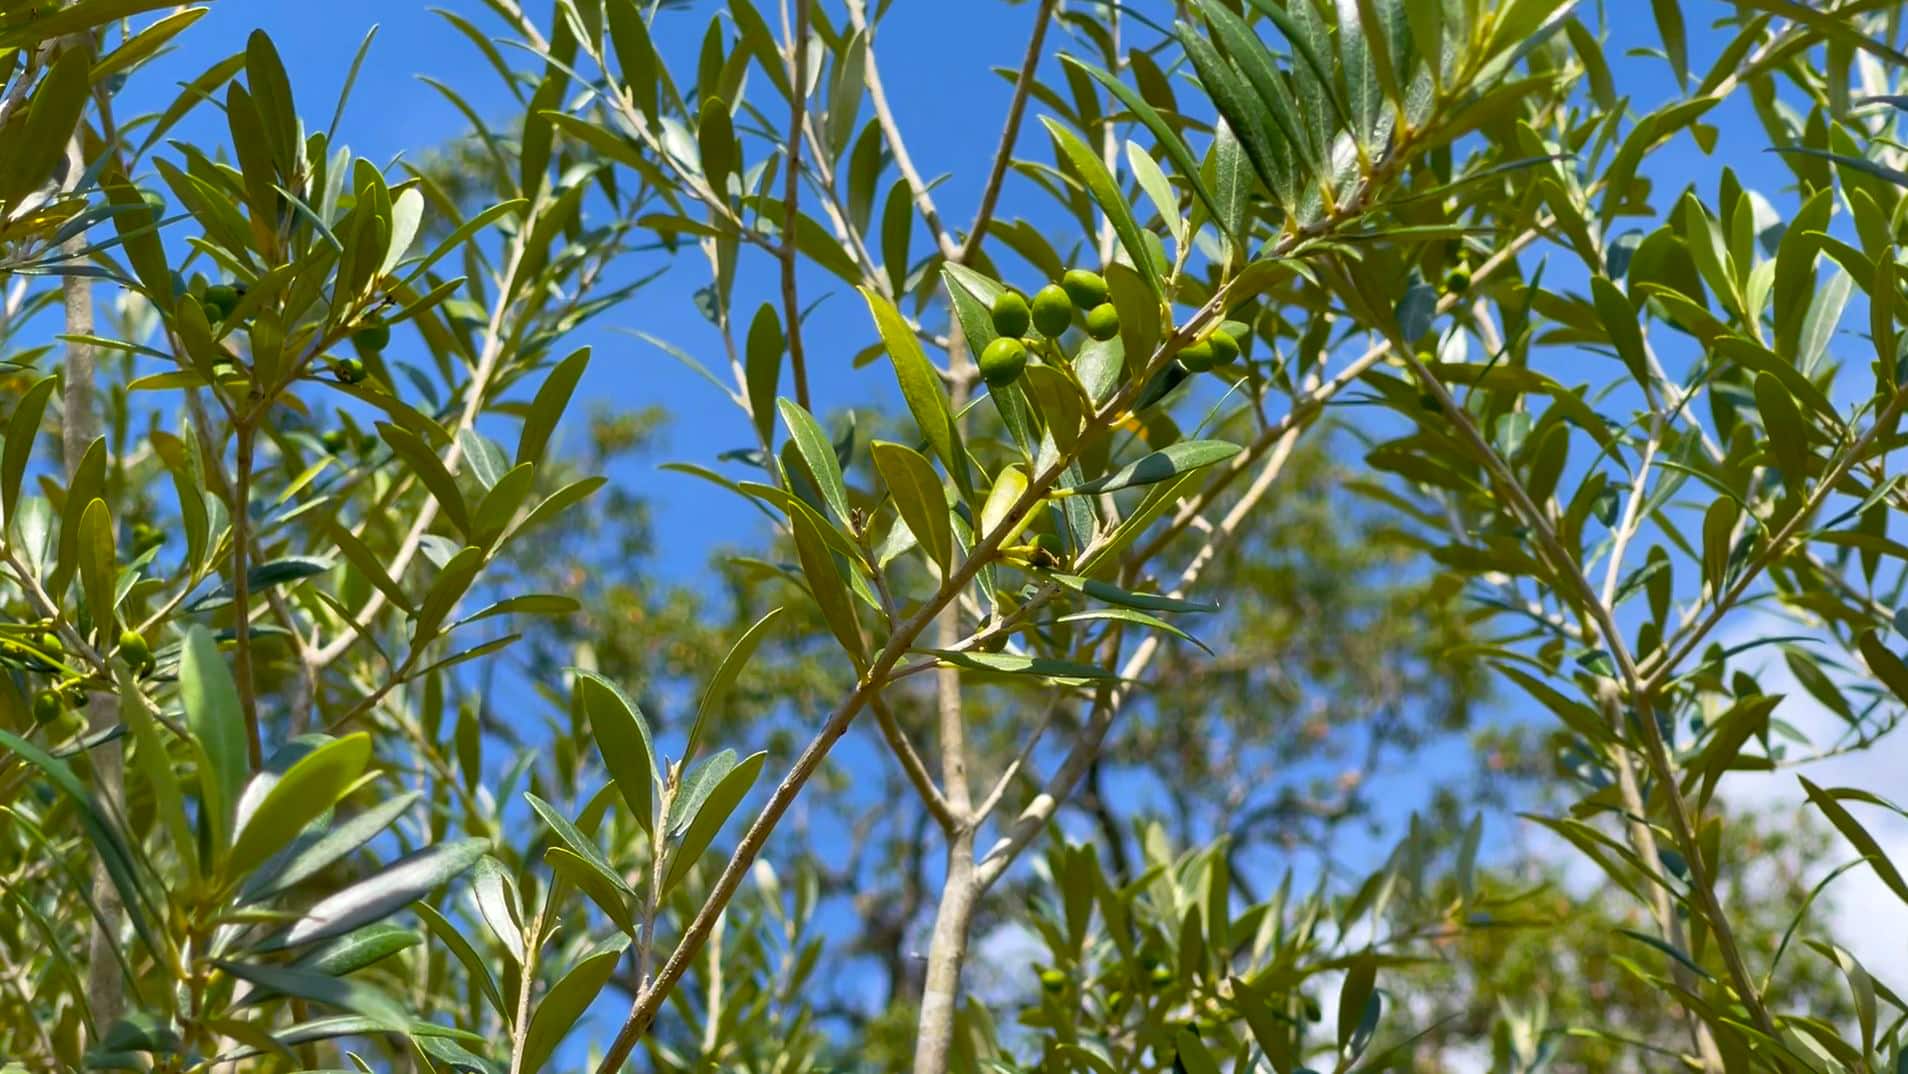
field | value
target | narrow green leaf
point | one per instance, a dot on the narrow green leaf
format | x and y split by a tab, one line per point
622	738
1167	462
1788	437
824	579
1169	140
314	851
812	443
921	386
98	577
723	798
1620	321
725	677
1066	672
307	790
346	995
1858	837
430	469
23	427
391	889
563	1005
548	405
460	947
919	498
1107	194
217	724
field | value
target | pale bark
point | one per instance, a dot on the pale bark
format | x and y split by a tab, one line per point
947	955
79	427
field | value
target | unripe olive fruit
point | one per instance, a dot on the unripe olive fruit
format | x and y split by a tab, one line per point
1052	981
133	648
1103	321
349	370
1011	315
1086	289
1052	311
69	724
1224	347
47	706
1001	361
1197	356
1456	281
371	336
220	300
1160	975
50	644
335	441
75	694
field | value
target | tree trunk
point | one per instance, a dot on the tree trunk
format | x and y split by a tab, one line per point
947	953
79	428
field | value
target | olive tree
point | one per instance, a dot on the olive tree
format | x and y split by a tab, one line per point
1270	209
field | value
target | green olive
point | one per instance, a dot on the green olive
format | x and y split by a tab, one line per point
1053	982
75	694
1052	311
47	706
371	336
349	370
133	648
1160	975
1011	315
1224	347
219	301
1103	321
335	441
1086	289
50	644
1197	356
1001	361
1457	281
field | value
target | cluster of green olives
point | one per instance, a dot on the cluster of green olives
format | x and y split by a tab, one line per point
54	702
220	300
1215	348
371	336
1050	314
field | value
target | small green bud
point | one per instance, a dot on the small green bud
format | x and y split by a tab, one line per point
1103	321
1052	311
1001	361
1086	289
1011	315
